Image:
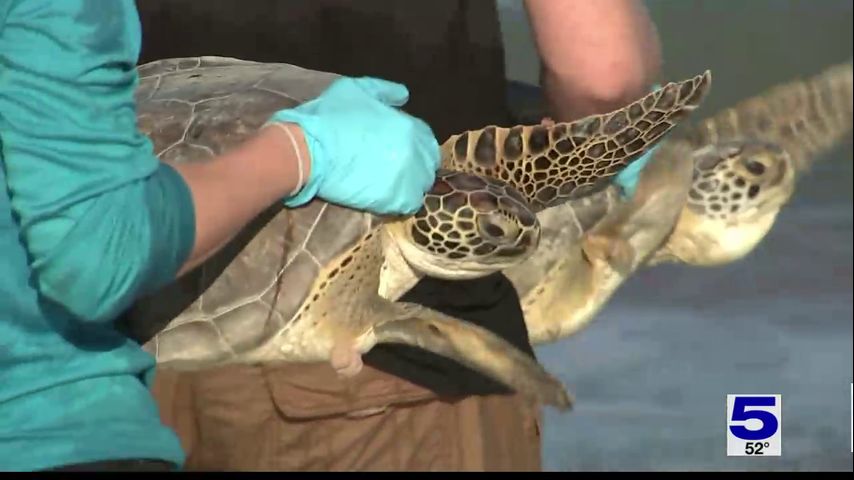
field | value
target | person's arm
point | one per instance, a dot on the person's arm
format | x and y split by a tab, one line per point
102	219
227	194
596	55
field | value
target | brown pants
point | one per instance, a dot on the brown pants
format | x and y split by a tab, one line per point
302	417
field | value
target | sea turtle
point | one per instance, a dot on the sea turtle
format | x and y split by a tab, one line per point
320	282
708	197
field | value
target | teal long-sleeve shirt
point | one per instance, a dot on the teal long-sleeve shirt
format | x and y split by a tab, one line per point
89	220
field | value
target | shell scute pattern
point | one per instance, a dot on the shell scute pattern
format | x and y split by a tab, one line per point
243	303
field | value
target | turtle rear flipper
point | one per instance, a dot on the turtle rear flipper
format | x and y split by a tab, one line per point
616	251
474	347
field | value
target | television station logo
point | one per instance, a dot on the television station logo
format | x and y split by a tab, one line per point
754	425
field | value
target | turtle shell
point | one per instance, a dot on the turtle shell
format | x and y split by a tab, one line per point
193	109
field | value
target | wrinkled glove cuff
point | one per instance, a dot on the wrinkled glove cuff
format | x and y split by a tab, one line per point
311	185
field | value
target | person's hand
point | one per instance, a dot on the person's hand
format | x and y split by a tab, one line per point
365	153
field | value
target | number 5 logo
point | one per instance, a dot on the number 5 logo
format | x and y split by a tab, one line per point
740	413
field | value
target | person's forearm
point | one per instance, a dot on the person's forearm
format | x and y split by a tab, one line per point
96	256
596	55
231	190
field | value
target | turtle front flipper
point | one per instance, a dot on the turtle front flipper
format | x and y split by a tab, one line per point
584	276
553	163
474	347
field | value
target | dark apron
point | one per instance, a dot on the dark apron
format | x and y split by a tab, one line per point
449	54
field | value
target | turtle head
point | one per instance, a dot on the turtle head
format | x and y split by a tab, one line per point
740	180
737	191
469	226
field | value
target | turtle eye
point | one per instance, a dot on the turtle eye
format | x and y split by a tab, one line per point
754	167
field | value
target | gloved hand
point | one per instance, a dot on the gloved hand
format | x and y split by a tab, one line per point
627	179
365	153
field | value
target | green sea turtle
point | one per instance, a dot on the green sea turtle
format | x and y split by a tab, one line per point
320	282
709	196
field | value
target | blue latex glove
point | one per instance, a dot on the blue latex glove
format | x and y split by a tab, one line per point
365	153
627	179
